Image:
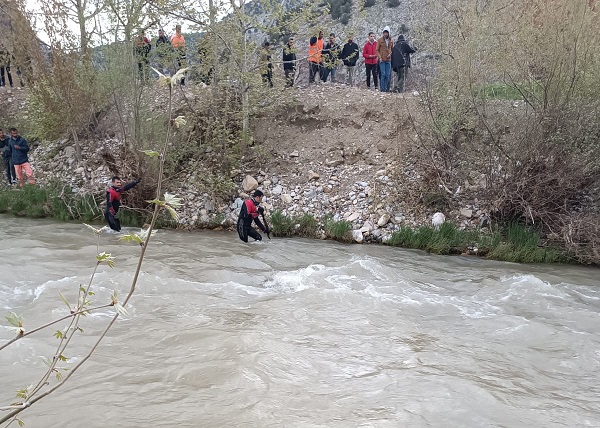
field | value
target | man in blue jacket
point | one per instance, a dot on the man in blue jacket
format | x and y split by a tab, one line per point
19	149
6	157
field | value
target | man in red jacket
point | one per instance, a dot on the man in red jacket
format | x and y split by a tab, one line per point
249	213
370	56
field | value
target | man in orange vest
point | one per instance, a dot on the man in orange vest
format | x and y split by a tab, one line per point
314	57
178	43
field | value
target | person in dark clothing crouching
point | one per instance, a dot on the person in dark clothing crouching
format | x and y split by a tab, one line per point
113	201
248	213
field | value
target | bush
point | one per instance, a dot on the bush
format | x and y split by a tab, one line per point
281	225
338	230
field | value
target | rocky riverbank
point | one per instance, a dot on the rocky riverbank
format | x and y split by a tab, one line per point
341	153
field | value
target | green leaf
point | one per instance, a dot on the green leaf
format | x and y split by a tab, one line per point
106	258
61	357
64	300
173	213
15	320
172	200
23	393
58	375
133	237
113	298
58	334
157	202
82	289
151	153
20	422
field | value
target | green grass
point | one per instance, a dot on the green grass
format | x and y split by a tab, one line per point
514	243
53	202
283	226
498	91
338	230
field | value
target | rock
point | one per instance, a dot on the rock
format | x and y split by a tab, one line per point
382	147
383	220
286	199
367	227
438	219
277	190
237	204
249	183
334	162
354	216
313	175
357	236
234	173
79	170
294	154
467	213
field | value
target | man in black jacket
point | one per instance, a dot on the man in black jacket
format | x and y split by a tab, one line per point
401	62
6	157
289	62
331	52
349	57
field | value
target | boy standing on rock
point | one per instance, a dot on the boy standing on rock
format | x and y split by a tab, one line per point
113	201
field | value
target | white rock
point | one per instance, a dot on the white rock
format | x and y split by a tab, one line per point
357	236
313	175
438	219
294	154
277	190
286	199
383	220
249	183
467	213
353	216
367	227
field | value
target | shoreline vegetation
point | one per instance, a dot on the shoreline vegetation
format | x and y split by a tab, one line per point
511	242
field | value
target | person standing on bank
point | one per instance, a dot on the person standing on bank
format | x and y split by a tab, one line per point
385	45
370	56
113	201
19	149
249	213
178	44
6	157
289	62
401	62
266	64
349	57
331	52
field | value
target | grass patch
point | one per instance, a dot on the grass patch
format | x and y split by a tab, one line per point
514	243
284	226
338	230
53	202
503	91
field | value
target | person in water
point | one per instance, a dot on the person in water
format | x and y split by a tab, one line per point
113	201
248	213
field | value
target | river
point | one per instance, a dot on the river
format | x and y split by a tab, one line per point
301	333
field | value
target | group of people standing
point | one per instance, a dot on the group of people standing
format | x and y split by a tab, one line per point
168	53
381	57
15	158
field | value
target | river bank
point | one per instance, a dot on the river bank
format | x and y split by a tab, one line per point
336	162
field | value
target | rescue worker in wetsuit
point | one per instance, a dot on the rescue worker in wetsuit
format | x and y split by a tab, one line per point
248	213
113	201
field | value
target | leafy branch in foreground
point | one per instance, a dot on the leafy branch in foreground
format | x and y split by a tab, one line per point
34	393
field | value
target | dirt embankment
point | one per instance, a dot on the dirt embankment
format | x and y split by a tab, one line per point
348	153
